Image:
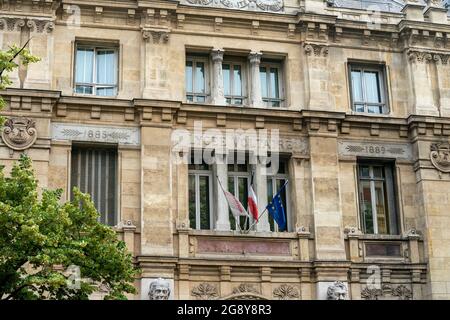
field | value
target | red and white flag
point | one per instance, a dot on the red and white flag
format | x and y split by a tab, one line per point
235	205
253	203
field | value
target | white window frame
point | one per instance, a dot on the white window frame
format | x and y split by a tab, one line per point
236	175
381	73
195	60
197	174
232	97
268	100
96	85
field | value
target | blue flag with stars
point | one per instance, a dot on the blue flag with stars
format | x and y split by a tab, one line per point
276	209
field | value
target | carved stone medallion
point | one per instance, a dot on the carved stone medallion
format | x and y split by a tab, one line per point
19	133
440	156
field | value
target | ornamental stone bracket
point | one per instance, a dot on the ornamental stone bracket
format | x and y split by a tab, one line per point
440	156
156	36
19	133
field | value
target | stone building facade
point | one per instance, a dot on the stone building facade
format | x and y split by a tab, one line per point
353	97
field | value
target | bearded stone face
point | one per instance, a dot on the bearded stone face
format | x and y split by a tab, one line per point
337	291
159	290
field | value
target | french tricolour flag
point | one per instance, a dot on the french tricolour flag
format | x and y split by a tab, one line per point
253	203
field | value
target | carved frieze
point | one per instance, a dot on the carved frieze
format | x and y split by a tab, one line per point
19	133
251	5
35	25
286	292
440	156
386	292
205	291
379	149
90	133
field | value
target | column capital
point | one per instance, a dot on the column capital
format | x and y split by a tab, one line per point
255	57
217	54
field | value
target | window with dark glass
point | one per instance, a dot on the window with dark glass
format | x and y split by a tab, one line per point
200	196
270	84
96	70
377	198
195	77
233	83
368	89
94	171
274	183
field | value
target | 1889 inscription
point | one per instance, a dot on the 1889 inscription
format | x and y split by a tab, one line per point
352	148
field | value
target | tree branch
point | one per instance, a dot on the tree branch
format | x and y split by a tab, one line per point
15	56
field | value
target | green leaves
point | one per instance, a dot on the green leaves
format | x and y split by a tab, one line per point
40	237
9	61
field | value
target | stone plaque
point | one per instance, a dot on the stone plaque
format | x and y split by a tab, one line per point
92	133
229	246
375	149
383	250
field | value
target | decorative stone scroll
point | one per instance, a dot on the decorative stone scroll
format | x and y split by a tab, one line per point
250	5
91	133
440	156
19	133
372	149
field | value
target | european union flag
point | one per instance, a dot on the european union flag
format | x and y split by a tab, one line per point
276	209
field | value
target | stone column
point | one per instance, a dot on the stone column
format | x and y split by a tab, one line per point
221	173
255	80
217	94
260	180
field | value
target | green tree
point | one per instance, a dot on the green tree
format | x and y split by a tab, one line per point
40	238
9	61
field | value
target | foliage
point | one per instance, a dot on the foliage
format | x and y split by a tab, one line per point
40	237
8	63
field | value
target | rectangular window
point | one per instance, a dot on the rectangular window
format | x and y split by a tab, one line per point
96	70
196	79
200	197
377	198
368	89
238	185
274	183
94	171
270	76
233	83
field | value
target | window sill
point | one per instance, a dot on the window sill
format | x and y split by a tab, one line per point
74	94
385	115
250	234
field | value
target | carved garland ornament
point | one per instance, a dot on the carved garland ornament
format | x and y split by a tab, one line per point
401	292
205	291
440	156
286	292
19	133
264	5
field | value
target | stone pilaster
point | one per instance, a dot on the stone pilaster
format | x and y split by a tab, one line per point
421	78
255	81
156	225
261	193
221	173
443	79
217	94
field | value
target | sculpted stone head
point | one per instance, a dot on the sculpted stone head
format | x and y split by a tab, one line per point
159	290
337	291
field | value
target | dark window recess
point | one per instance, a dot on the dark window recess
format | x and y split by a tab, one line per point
94	171
383	249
